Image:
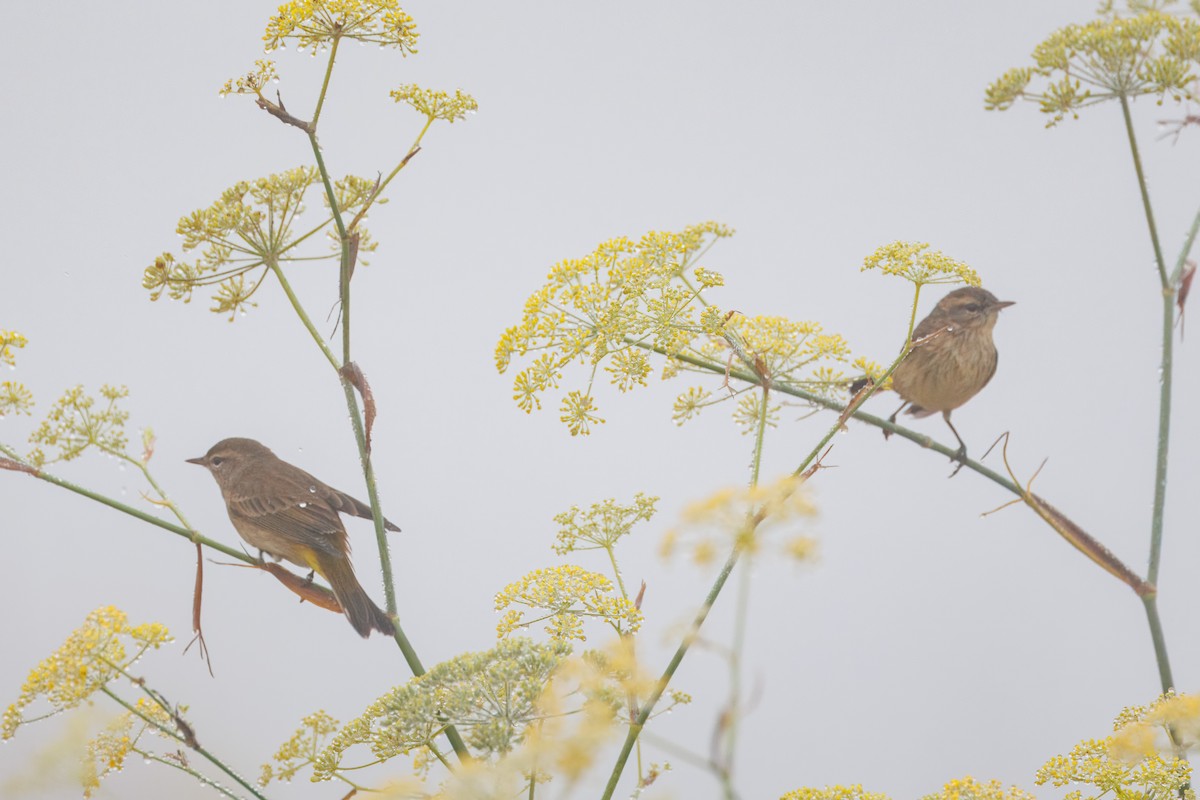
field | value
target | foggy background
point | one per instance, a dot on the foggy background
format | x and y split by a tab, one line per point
926	643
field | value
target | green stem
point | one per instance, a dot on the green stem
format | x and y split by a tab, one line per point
668	673
1141	178
312	126
714	592
1188	241
1164	437
304	318
190	535
216	762
1160	643
199	776
356	421
1169	289
912	322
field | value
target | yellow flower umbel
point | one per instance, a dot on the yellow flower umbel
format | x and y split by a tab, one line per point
251	229
96	653
744	517
299	751
10	341
14	397
490	697
436	104
1137	760
318	24
76	423
563	597
1150	52
855	792
107	752
611	308
970	789
788	353
914	262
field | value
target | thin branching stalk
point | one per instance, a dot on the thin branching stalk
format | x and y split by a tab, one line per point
190	535
356	419
216	762
710	600
1169	288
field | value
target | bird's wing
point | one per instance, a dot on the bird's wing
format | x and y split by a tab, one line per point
928	326
290	503
349	505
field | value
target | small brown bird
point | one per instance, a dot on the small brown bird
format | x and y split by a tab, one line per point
952	359
283	511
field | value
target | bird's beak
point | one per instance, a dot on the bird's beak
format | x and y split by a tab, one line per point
1004	304
199	461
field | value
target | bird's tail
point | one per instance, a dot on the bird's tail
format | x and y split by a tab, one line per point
356	604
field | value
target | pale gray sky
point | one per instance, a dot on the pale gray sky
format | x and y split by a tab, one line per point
925	644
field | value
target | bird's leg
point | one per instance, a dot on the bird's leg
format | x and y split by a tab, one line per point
960	455
892	419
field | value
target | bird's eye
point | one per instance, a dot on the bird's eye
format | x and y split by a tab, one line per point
216	461
972	307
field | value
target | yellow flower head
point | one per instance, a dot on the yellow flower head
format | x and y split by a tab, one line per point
970	789
914	262
252	225
107	752
745	517
1130	763
1150	52
855	792
299	751
490	697
609	309
436	104
788	353
254	81
94	654
316	24
76	423
602	525
10	341
15	399
563	597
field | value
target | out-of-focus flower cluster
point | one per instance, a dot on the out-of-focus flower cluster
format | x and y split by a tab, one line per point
94	654
77	422
435	103
1148	52
563	597
251	227
316	24
14	397
1138	760
106	753
960	789
746	518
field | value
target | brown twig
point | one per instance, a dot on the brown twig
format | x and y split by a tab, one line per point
280	112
